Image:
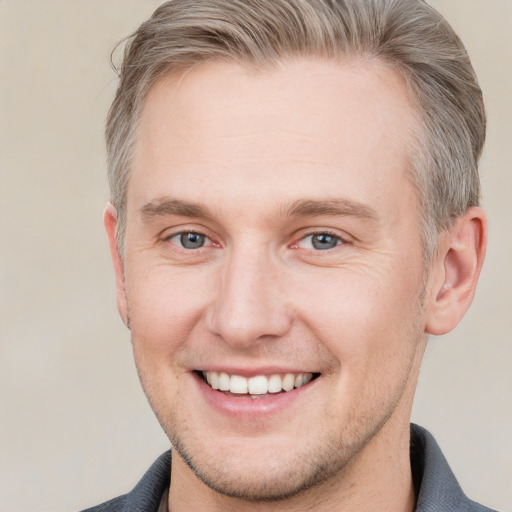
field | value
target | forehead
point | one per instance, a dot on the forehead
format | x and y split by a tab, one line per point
303	123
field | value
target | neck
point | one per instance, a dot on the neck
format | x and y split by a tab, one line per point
379	479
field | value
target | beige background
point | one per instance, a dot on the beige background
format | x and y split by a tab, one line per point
74	426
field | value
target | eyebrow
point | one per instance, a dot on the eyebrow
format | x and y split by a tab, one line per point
332	207
166	206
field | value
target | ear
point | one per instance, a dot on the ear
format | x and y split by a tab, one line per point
110	221
456	270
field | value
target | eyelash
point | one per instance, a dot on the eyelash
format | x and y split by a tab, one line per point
339	240
208	242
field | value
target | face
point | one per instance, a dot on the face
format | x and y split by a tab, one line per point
273	251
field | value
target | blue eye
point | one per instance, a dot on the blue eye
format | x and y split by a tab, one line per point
324	241
320	241
189	240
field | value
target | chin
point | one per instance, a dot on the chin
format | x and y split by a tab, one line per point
259	480
269	471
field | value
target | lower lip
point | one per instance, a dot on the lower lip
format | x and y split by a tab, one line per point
246	407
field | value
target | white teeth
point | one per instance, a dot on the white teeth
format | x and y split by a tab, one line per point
238	385
257	385
214	380
274	384
224	381
288	382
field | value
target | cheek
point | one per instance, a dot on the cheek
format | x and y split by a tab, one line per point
361	312
165	305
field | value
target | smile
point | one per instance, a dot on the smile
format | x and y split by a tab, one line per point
258	385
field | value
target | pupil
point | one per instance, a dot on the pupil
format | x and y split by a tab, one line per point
192	240
324	241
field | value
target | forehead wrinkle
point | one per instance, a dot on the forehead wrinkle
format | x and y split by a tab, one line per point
333	207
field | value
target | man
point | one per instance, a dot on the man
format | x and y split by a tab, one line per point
294	209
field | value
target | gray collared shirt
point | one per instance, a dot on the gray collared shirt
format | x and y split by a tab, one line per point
435	484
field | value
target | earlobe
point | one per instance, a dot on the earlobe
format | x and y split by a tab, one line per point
110	222
457	268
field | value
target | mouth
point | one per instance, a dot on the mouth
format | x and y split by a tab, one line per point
257	386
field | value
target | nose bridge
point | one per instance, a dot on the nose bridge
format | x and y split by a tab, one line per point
249	304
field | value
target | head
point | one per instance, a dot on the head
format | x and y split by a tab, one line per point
283	173
410	36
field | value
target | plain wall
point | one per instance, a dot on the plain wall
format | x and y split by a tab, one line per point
75	428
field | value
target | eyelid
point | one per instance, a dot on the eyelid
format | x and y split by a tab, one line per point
311	244
177	236
167	234
342	237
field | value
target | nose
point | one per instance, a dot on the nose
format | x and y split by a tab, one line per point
249	305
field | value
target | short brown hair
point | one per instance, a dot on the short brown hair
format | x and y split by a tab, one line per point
408	34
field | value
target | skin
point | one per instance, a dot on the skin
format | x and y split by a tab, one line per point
246	159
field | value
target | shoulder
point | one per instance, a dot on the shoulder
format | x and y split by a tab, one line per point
436	486
146	495
113	505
